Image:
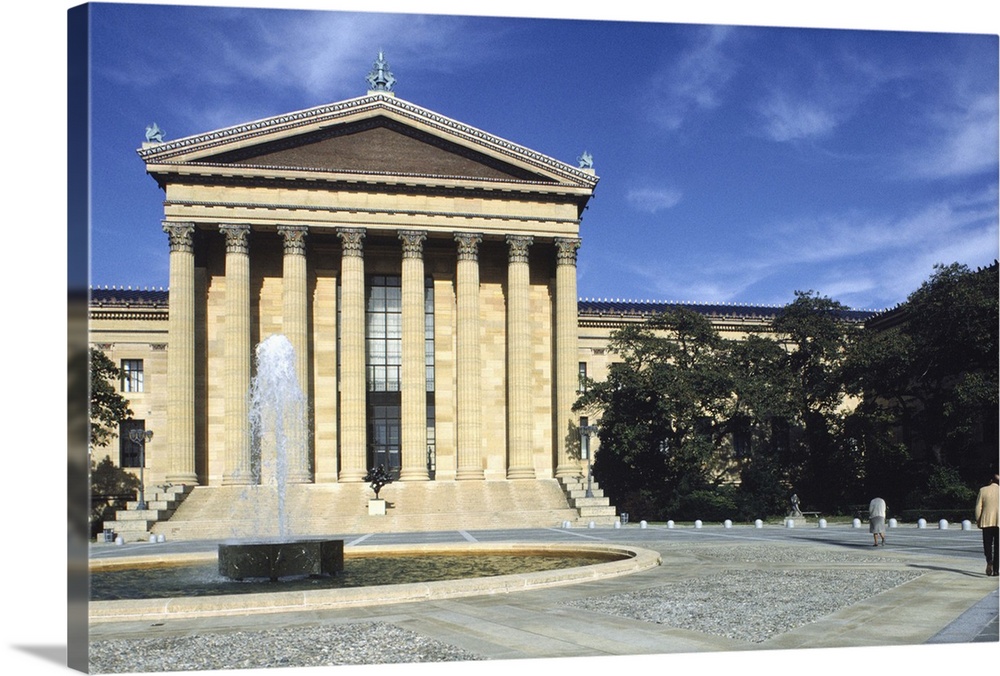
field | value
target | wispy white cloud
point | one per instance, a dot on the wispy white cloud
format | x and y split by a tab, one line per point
964	141
652	200
694	81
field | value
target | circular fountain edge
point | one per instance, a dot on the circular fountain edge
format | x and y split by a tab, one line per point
635	559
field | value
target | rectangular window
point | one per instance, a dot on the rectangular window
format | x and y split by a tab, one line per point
131	374
130	452
582	382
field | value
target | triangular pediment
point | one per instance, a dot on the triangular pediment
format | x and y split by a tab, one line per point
377	145
371	136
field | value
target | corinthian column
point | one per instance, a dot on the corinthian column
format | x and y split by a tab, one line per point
413	411
353	434
469	413
180	358
520	462
294	325
237	352
567	359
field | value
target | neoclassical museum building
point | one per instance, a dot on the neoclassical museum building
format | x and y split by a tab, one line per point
423	270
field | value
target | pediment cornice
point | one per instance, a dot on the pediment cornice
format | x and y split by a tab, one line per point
198	150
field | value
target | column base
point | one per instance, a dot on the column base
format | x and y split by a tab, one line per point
521	473
413	475
470	475
182	479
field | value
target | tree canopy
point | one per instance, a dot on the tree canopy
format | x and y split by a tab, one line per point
691	424
107	406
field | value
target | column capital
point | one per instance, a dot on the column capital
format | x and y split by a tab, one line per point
295	238
181	236
468	245
352	241
566	250
413	243
519	248
236	237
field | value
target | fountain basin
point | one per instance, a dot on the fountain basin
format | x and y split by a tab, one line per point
625	560
274	560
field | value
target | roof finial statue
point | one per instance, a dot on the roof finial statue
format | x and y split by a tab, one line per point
380	79
586	160
154	134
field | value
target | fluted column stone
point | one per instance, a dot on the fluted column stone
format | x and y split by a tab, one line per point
294	325
567	358
413	397
353	432
469	410
238	354
181	468
519	446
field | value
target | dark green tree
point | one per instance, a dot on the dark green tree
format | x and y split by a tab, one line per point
659	414
926	375
107	406
823	463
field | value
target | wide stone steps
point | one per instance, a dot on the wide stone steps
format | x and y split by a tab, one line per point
133	523
220	512
595	508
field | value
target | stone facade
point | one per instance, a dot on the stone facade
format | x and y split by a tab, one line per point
294	225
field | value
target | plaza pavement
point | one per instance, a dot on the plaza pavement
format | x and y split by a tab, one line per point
950	601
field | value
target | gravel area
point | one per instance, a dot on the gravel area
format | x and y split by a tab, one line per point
341	644
792	555
748	605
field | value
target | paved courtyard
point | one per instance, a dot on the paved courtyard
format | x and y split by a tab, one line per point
718	589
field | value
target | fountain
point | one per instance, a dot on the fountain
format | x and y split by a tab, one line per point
278	437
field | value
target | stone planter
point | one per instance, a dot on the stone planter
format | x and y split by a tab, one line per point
376	507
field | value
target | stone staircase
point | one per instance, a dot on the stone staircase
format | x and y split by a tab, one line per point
134	524
221	512
597	508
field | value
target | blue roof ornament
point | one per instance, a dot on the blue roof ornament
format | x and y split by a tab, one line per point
380	79
154	134
586	160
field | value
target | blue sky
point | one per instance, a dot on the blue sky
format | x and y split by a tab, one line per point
738	164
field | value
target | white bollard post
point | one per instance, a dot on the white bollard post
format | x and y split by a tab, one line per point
119	540
152	539
893	523
943	524
161	538
921	523
789	523
670	523
591	525
822	523
642	524
856	523
618	524
966	525
758	523
727	523
697	523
